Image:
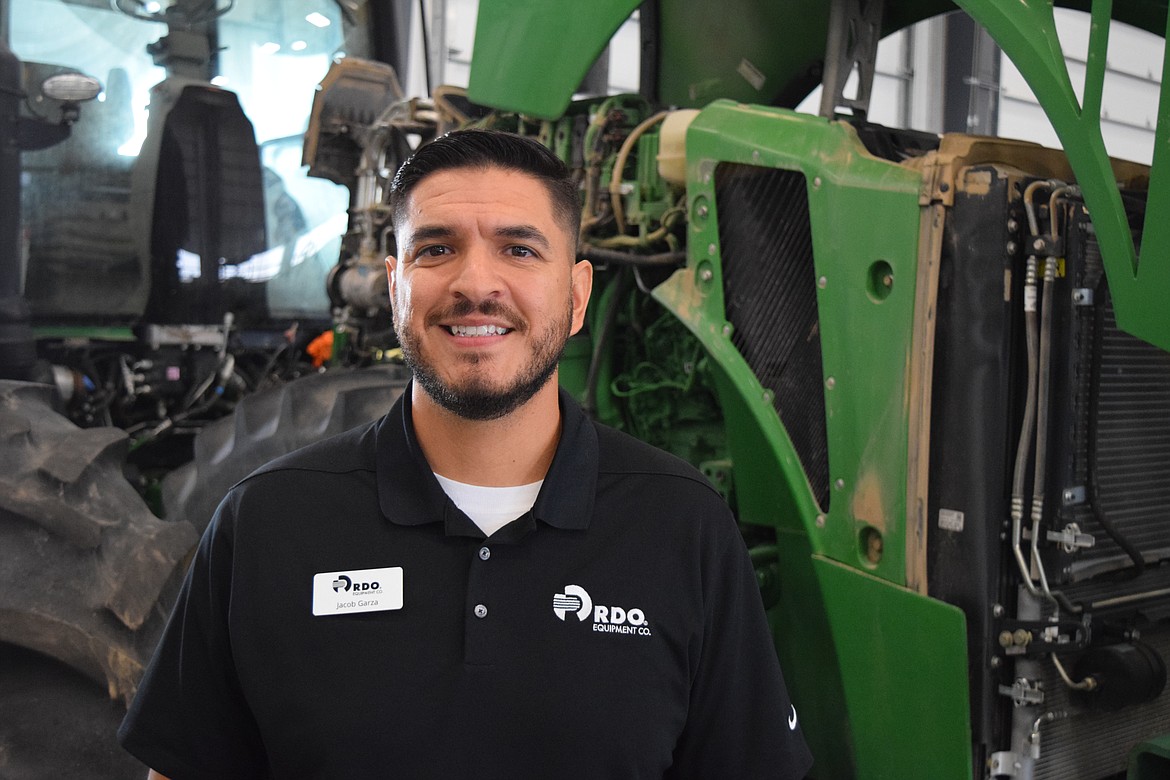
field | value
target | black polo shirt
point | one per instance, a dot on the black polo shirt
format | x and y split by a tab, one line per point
614	631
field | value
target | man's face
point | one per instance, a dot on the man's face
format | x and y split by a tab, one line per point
485	289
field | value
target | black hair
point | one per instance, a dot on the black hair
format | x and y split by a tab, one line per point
476	148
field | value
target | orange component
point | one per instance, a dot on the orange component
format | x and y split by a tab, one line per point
320	349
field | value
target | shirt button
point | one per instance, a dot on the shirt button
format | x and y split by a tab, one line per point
480	611
484	553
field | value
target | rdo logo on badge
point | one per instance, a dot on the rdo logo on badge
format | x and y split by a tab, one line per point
360	590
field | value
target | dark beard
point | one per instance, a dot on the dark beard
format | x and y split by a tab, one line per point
475	400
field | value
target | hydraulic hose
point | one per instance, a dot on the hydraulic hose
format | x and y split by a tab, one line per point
601	340
615	183
1036	402
1040	472
1027	427
615	257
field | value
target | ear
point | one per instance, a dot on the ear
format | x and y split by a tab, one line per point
581	281
391	277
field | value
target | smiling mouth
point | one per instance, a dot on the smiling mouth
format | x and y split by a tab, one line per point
478	330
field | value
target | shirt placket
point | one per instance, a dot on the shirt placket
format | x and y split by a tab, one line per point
481	611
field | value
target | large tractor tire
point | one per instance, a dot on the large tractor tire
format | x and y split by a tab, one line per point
85	563
272	423
88	573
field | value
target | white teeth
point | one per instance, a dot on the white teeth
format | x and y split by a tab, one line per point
478	330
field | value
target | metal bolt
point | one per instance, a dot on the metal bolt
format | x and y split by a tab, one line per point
755	155
706	274
1012	247
702	211
830	383
726	330
820	521
1013	225
710	249
997	610
839	484
768	396
822	282
1022	636
1005	639
888	280
1038	244
817	183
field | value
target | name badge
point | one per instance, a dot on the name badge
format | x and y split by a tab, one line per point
361	590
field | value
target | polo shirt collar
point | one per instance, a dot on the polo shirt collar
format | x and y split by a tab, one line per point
409	494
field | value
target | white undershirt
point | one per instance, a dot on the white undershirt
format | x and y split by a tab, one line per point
491	508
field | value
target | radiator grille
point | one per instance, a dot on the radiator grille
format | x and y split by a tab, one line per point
1132	431
770	293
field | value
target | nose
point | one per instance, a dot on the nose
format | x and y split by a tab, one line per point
477	276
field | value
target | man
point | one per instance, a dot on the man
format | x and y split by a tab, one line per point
484	583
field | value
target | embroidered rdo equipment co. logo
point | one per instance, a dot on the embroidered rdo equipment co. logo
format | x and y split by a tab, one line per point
608	620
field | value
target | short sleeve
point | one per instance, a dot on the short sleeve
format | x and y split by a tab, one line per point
189	718
741	722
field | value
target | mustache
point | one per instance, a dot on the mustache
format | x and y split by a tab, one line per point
487	307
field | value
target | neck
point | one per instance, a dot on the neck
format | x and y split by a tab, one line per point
514	450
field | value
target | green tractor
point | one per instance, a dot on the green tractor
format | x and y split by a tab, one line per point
929	372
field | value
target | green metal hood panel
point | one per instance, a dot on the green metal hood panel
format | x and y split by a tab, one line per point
531	55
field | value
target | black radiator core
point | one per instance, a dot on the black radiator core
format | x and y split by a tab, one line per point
1118	456
769	288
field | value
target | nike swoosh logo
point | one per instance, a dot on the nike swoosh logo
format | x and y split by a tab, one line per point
792	720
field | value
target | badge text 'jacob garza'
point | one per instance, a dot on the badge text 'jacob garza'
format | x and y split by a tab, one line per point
607	620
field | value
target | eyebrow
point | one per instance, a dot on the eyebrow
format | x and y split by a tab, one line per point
524	233
527	233
429	233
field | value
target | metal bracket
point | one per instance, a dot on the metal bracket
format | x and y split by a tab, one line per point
1034	638
855	27
1071	539
1004	764
1073	495
1045	245
1023	692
